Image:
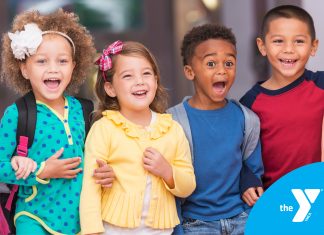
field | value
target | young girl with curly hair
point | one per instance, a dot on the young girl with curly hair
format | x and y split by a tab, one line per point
146	149
51	56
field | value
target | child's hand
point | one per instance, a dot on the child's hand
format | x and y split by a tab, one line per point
60	168
156	164
251	195
23	166
105	174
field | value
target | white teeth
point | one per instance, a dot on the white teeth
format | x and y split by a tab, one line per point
288	61
139	92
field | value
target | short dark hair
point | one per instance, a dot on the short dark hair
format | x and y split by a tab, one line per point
203	33
287	11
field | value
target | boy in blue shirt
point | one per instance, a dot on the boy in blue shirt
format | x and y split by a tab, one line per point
224	136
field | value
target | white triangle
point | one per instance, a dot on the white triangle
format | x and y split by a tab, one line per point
312	194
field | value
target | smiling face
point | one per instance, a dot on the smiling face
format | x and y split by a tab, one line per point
288	46
50	69
134	84
212	69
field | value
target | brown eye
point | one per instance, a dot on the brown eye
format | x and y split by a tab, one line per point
300	41
211	64
277	41
229	64
127	76
41	61
147	73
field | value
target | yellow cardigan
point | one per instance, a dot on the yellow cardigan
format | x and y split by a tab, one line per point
121	144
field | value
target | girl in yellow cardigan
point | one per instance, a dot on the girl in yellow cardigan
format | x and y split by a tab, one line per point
147	151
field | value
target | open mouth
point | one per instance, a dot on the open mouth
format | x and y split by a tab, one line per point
139	94
52	83
288	62
219	86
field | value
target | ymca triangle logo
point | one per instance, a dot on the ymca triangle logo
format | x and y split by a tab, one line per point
305	199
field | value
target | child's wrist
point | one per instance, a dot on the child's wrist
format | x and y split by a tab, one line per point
41	173
168	177
13	158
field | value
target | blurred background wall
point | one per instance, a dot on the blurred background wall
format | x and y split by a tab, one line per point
161	25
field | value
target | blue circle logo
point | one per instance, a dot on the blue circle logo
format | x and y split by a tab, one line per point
292	205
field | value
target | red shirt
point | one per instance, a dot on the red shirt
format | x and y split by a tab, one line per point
291	124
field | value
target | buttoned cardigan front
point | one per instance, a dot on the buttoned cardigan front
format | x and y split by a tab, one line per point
121	144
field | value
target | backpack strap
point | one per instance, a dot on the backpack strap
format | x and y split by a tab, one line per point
87	109
26	121
4	226
179	114
27	116
26	125
250	141
251	130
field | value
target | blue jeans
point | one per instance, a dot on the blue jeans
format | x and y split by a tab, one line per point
230	226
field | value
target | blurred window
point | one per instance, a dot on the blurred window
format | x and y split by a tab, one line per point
109	15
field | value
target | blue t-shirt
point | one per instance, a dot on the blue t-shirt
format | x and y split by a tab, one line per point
217	138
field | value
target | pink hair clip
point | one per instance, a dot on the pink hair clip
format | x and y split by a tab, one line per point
104	61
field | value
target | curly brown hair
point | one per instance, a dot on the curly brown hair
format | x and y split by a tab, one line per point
105	102
60	21
201	34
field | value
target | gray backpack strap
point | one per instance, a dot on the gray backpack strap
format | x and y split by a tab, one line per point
251	131
179	114
4	188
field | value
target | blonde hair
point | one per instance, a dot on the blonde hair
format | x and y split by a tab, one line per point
105	102
67	23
